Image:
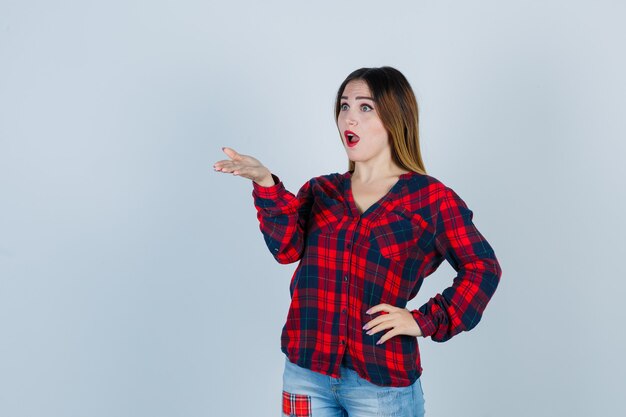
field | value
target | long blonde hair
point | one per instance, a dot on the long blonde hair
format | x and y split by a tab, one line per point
397	108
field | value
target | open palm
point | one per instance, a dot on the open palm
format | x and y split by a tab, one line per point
244	166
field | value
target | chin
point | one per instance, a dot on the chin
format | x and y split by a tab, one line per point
358	157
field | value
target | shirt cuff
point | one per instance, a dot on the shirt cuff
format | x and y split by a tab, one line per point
271	192
425	323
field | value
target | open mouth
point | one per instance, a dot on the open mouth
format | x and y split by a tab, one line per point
351	138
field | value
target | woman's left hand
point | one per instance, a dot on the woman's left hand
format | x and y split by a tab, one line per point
399	320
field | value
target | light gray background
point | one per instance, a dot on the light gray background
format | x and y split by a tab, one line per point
134	280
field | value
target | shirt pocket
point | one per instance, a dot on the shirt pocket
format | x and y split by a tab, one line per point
326	215
400	234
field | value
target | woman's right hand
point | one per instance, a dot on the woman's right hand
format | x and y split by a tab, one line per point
244	166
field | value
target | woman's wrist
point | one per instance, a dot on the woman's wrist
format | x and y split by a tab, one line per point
266	181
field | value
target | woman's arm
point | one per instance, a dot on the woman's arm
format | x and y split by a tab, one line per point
283	218
459	307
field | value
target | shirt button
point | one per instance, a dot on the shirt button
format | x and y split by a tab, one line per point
345	278
343	311
348	246
343	342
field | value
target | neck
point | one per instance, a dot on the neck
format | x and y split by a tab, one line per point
367	172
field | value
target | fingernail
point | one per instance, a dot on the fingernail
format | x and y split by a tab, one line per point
367	312
379	342
369	333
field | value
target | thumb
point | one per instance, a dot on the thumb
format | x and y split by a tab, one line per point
232	154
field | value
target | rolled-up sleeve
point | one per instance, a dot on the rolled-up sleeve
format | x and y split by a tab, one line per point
460	306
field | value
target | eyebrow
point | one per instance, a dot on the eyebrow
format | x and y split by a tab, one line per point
359	98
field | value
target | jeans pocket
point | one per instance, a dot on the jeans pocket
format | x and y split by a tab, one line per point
418	398
395	401
296	405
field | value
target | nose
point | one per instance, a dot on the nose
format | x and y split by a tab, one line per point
349	117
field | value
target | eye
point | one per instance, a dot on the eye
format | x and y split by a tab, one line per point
343	106
368	106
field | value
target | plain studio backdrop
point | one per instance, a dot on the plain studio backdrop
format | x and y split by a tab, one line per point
134	280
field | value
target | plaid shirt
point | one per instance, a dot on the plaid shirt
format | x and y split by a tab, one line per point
350	262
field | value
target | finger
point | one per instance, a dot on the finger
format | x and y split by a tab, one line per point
377	320
382	326
229	166
220	164
222	161
380	307
231	153
243	172
387	336
222	168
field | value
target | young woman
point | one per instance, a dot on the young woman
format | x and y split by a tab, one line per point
365	240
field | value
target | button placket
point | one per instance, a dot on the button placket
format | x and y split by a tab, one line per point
350	234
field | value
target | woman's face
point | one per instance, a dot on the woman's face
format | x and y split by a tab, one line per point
358	116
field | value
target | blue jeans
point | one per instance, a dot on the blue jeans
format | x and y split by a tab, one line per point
311	394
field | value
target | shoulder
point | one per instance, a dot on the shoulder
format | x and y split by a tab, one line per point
424	191
333	178
329	185
425	186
